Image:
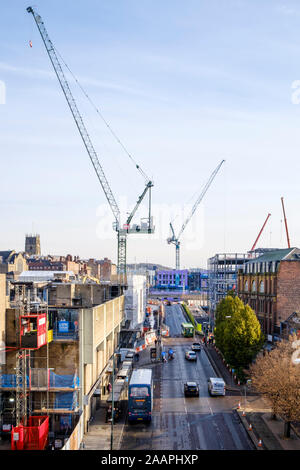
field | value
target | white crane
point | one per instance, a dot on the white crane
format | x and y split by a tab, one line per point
175	240
121	231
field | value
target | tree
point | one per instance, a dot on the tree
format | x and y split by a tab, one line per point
238	333
277	377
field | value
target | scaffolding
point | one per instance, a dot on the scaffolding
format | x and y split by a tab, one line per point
32	389
222	277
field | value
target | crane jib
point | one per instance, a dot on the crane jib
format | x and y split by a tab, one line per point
76	115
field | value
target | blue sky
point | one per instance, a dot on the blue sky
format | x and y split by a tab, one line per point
184	85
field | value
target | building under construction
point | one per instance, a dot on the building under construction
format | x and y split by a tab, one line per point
222	277
59	338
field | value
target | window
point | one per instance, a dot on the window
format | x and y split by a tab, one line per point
139	392
253	288
261	287
246	286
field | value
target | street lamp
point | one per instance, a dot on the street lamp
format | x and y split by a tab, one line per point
249	384
112	404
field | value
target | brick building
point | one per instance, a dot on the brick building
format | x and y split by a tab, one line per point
106	269
270	284
40	264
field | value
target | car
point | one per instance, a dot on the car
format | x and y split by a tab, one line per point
196	347
191	389
191	356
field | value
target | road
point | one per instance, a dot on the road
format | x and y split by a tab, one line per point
192	423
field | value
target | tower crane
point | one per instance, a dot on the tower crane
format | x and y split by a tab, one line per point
122	231
175	240
286	227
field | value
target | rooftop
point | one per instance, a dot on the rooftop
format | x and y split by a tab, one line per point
277	255
42	275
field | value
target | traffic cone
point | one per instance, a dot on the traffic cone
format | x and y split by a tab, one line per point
259	443
239	383
250	427
239	406
244	414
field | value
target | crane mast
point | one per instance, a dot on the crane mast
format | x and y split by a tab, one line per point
122	232
175	240
286	227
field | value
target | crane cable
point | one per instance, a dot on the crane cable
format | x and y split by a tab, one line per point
189	201
103	119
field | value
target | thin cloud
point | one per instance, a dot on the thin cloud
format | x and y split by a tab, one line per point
86	81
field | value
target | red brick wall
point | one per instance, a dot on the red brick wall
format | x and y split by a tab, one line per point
288	289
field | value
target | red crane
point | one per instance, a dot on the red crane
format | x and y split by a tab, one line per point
258	236
286	227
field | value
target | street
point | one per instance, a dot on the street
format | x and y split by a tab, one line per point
180	423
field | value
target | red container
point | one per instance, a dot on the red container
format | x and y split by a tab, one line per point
33	331
34	436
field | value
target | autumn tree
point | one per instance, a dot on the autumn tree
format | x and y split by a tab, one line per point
277	377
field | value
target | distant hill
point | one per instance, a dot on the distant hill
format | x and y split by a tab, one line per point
150	266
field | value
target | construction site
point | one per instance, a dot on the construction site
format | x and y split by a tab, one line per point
74	331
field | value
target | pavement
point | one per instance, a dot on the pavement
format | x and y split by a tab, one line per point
265	432
99	433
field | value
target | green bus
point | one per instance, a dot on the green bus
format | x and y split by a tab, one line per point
187	329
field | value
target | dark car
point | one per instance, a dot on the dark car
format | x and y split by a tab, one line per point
191	389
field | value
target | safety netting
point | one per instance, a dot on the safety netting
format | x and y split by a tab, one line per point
10	381
40	378
63	381
66	401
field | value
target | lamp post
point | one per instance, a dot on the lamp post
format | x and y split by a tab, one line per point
248	383
112	404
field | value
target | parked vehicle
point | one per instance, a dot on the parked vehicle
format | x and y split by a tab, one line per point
191	389
140	396
191	356
216	386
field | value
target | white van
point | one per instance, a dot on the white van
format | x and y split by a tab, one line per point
216	386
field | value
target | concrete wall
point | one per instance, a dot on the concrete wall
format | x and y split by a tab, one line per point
99	327
62	294
135	299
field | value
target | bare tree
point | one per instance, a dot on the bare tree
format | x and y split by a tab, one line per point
277	377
